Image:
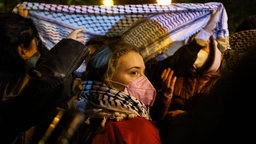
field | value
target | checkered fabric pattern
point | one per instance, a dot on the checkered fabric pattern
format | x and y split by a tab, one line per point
239	43
153	28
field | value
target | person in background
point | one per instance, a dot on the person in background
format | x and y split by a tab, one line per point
33	80
117	96
197	68
225	115
239	42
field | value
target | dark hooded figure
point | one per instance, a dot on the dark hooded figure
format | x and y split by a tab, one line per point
33	80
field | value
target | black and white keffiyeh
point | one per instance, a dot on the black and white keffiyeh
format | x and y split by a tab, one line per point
99	101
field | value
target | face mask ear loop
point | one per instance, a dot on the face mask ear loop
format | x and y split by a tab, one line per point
117	83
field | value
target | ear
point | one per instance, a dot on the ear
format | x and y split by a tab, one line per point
22	52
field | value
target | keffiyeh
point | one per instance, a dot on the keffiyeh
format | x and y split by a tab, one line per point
99	101
157	30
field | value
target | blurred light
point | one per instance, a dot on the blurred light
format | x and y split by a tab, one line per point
164	2
108	2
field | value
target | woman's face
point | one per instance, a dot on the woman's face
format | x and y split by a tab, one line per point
26	53
129	67
33	47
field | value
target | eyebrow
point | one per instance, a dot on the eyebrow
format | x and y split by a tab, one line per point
137	67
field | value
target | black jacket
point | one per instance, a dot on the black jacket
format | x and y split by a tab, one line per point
44	90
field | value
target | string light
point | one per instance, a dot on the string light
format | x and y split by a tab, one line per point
108	2
164	2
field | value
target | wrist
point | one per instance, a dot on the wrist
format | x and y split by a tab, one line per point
167	96
210	27
202	37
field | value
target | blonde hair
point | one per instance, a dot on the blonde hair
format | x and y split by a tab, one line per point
102	64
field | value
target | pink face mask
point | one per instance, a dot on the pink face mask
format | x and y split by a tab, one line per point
142	89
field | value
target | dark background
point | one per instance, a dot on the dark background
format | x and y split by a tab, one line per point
237	10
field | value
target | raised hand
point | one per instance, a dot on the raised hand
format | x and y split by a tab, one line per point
210	26
168	82
77	35
21	11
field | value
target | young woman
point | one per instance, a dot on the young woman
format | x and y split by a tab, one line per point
117	96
